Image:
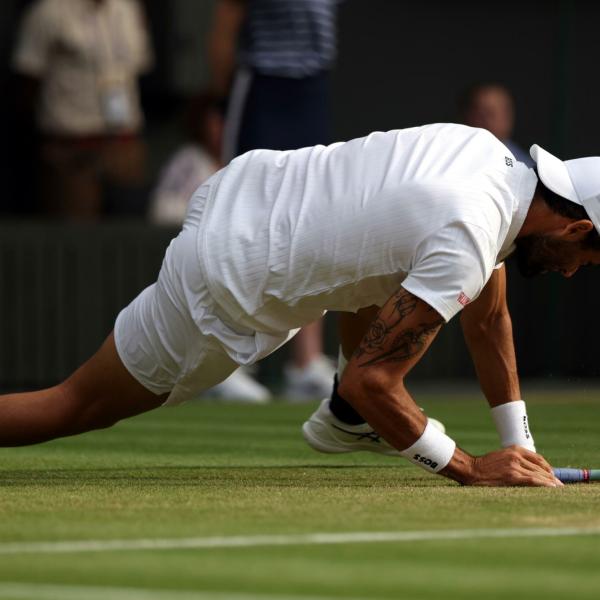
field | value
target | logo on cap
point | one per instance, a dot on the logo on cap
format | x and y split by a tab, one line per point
508	161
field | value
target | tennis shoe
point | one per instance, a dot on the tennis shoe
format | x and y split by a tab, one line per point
324	432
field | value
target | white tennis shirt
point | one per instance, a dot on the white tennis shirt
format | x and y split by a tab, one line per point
289	235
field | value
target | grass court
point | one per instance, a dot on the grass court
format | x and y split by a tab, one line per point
226	502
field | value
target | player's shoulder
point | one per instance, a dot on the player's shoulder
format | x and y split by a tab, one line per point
450	140
442	133
460	132
438	130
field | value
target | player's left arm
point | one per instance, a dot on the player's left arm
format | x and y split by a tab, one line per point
487	328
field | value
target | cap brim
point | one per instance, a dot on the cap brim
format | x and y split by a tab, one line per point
554	174
585	175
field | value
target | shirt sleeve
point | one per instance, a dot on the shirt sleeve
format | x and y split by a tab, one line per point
34	40
451	268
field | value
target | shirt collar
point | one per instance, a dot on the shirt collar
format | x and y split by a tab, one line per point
524	184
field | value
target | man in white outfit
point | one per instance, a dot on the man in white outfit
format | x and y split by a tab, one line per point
414	221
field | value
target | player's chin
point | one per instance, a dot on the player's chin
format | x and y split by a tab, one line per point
525	257
532	263
530	268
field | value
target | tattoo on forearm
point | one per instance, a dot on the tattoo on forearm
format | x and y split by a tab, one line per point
385	341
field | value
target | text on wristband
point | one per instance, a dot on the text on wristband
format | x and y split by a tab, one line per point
426	461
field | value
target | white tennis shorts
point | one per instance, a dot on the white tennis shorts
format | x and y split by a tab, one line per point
174	338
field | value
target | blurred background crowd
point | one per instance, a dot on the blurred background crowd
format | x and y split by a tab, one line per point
114	111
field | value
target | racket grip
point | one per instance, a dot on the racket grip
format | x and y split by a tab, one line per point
572	475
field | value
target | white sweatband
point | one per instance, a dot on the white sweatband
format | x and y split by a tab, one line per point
432	451
342	362
512	425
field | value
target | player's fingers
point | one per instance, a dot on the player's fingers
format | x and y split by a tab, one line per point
527	460
535	481
533	465
535	477
530	469
536	459
554	482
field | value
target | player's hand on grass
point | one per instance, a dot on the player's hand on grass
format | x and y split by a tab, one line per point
512	466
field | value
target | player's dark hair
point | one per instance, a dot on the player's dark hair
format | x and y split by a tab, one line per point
568	209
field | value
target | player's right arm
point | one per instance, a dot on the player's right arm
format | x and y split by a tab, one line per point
373	382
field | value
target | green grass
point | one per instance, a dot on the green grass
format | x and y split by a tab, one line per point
228	470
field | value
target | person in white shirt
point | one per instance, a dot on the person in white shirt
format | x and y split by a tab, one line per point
192	164
79	63
413	221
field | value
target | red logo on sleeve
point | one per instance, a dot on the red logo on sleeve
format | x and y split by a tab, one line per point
463	299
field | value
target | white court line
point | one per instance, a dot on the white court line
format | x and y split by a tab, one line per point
316	539
48	591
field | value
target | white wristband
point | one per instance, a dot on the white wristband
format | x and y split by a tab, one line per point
512	425
432	451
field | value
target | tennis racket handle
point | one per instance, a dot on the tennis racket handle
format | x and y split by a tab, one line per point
573	475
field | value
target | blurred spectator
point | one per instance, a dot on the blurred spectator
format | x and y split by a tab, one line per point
78	62
192	164
492	107
273	58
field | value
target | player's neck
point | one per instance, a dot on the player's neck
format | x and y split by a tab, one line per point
541	219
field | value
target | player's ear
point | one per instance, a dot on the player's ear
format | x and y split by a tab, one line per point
576	231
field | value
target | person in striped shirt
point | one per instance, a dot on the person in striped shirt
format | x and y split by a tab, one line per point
272	60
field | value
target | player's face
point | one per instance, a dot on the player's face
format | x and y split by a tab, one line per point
539	254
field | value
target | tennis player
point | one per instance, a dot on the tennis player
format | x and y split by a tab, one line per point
414	221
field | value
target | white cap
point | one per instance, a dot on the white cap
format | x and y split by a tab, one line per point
577	180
